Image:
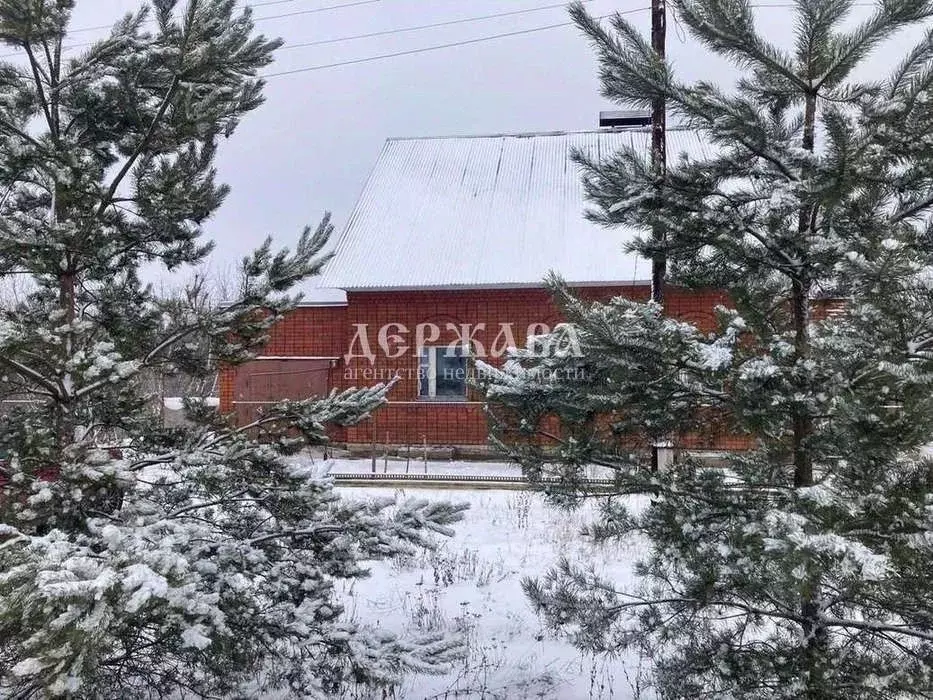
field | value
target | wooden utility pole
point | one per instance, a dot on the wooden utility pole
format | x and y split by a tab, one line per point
658	146
659	166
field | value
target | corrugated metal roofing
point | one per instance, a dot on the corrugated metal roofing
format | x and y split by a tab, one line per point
486	211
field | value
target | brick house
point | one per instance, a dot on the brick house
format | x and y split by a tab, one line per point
442	259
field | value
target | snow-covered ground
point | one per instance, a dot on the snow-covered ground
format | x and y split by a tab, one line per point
394	465
472	585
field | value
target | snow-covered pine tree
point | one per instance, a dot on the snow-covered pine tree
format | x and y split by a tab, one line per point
135	561
802	567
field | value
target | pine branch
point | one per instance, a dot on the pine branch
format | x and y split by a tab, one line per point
40	90
140	147
912	210
295	534
730	31
10	128
27	372
890	17
917	60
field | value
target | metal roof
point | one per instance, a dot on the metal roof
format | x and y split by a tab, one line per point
487	211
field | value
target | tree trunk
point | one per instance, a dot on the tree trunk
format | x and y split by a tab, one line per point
67	301
800	309
814	632
803	423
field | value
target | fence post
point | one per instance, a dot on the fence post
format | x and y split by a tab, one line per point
385	454
372	450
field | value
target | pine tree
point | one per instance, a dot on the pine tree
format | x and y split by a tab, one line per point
137	561
801	567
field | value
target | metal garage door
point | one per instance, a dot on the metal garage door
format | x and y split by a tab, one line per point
262	382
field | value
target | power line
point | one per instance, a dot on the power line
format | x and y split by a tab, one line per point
400	30
433	25
491	37
100	27
436	47
316	9
313	10
426	49
270	2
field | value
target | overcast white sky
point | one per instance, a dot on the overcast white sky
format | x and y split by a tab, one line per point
311	146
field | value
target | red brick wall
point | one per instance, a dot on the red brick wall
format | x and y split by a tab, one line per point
317	331
329	331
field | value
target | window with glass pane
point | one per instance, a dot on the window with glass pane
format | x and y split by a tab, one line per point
442	373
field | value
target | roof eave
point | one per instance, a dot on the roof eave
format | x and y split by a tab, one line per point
481	287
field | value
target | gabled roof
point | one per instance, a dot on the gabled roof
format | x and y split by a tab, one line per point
487	211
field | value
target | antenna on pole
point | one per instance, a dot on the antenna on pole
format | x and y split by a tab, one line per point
659	166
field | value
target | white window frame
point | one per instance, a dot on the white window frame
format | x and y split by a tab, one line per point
432	373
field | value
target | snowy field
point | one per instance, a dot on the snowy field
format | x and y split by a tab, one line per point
419	467
394	465
472	585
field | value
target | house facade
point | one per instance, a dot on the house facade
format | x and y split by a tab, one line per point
441	263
